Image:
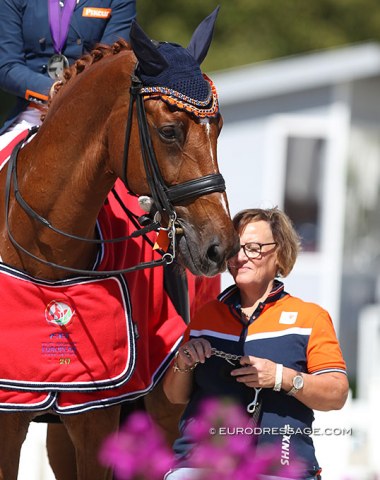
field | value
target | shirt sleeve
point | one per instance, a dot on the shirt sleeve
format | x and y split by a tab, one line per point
323	352
15	77
119	25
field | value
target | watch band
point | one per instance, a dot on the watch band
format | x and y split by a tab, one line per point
278	377
292	391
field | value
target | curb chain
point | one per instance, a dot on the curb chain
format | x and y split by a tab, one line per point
255	405
229	357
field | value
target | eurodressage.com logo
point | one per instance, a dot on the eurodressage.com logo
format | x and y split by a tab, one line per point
287	430
59	313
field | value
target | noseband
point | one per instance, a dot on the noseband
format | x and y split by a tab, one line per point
164	197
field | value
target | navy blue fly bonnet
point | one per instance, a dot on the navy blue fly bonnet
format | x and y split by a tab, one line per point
173	73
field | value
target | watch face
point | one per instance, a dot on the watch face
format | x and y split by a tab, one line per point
298	381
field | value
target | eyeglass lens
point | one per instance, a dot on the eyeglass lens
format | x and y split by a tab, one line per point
253	249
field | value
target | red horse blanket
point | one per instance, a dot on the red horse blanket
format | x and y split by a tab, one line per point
73	335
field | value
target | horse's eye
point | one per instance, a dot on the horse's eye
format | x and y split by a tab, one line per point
169	133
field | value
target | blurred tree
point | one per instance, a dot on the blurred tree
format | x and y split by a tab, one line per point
249	31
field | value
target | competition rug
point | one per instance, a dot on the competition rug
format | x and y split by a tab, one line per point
73	335
83	343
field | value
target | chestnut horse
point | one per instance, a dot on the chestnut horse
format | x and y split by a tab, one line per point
109	121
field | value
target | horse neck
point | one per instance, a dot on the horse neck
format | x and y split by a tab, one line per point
64	172
62	175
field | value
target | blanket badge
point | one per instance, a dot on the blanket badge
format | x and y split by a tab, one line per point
59	313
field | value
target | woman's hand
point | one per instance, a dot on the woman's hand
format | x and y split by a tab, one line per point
256	372
327	391
195	351
178	381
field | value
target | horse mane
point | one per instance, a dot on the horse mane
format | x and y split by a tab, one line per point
99	52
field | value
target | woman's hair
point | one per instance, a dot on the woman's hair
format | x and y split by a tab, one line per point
284	234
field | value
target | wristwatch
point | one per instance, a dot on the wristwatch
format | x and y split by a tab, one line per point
297	384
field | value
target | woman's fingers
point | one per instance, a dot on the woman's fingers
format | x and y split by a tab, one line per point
195	351
255	372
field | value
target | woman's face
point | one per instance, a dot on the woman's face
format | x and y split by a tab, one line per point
259	271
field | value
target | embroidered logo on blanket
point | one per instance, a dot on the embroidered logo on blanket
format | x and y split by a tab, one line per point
59	313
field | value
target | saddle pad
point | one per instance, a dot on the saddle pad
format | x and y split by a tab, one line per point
71	335
14	138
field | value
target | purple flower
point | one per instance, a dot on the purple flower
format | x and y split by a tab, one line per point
224	449
137	451
225	445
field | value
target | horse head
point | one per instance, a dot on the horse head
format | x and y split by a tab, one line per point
183	121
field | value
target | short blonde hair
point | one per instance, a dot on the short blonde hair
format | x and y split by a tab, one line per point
284	234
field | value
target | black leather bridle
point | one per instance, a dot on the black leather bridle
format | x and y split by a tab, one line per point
164	197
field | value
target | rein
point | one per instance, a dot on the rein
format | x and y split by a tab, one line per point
167	258
164	197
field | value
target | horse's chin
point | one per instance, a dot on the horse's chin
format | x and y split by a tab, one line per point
190	256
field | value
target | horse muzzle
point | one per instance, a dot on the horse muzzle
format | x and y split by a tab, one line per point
205	256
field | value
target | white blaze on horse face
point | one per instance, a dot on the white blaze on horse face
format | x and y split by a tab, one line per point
207	126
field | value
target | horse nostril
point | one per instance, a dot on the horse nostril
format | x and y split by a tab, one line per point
215	253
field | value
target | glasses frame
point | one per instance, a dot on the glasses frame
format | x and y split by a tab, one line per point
259	251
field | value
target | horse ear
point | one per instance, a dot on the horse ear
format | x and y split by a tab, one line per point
151	62
201	39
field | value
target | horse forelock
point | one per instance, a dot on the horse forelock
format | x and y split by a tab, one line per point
99	52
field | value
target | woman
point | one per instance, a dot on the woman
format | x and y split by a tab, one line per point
289	357
41	37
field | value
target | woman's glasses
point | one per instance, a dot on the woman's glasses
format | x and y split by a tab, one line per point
253	249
